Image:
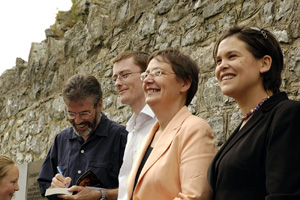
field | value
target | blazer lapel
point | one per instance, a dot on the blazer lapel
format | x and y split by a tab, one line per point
164	141
139	157
234	138
253	121
240	133
269	104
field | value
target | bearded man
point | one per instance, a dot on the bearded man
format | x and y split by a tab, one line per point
93	142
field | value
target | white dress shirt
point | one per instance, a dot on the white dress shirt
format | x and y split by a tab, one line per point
138	127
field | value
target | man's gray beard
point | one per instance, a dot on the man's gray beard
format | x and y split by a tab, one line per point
90	128
83	133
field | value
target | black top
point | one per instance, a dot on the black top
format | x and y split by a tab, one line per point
261	161
147	154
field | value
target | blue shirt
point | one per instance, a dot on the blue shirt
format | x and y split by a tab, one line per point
102	153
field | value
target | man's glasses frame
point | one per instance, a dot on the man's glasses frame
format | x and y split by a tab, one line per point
122	77
83	115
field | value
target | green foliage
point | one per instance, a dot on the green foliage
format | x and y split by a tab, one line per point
66	20
74	12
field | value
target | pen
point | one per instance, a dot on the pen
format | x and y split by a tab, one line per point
61	173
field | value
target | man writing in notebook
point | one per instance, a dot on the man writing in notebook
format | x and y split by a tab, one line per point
93	142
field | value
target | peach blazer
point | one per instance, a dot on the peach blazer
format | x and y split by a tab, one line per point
177	166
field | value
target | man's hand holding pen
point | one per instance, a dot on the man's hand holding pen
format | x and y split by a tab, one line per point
59	181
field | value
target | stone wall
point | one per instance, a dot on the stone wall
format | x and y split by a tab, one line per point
31	107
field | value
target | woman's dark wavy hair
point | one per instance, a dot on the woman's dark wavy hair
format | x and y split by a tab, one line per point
259	42
184	67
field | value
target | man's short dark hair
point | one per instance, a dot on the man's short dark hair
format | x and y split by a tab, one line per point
80	87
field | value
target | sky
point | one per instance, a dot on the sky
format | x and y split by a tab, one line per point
23	22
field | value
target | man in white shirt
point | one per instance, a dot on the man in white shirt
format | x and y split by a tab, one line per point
127	68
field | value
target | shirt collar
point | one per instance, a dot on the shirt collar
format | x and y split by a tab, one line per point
273	101
146	112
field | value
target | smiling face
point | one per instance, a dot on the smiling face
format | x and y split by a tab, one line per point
84	127
9	183
130	89
165	90
237	71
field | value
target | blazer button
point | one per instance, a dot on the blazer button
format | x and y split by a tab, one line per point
135	198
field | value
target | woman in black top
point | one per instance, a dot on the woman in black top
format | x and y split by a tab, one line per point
261	159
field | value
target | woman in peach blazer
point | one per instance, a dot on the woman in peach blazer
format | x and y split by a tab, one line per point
174	157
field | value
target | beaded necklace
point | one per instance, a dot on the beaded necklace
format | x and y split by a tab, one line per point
252	111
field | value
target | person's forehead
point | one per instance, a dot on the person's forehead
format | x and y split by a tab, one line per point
12	173
125	65
231	43
158	64
87	102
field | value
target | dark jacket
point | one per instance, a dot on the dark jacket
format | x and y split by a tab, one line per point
262	160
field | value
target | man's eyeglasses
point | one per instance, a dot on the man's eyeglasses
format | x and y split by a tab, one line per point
82	115
123	77
154	73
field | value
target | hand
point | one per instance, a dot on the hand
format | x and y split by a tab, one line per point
83	193
59	182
